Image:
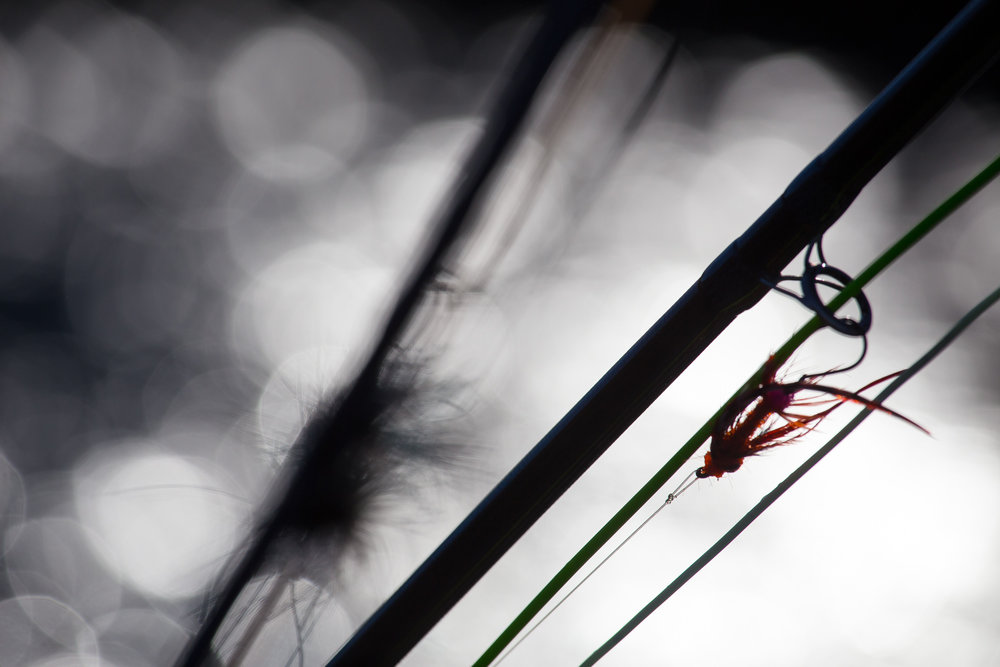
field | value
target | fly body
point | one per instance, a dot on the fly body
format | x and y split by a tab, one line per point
762	417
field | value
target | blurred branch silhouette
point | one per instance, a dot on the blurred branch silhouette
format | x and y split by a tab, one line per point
351	419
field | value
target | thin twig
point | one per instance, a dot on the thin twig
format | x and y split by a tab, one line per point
348	416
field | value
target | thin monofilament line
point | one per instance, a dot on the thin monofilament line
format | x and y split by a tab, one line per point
682	487
597	567
671	497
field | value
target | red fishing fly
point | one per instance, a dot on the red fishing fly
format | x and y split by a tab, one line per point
748	426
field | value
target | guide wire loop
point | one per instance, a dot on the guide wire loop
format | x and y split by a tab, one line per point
814	275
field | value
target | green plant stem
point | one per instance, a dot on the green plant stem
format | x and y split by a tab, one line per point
779	490
656	482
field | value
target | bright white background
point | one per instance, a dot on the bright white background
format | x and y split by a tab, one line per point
293	223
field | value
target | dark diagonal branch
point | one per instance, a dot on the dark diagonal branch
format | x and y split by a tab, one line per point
730	285
322	441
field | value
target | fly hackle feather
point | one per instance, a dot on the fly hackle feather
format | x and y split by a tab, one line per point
751	422
369	450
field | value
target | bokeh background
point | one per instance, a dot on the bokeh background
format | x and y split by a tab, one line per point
206	208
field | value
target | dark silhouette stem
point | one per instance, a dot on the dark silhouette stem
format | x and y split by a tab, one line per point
348	417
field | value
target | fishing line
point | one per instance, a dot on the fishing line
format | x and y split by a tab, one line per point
681	488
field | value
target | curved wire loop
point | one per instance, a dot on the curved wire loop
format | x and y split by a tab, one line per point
824	274
811	299
861	357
